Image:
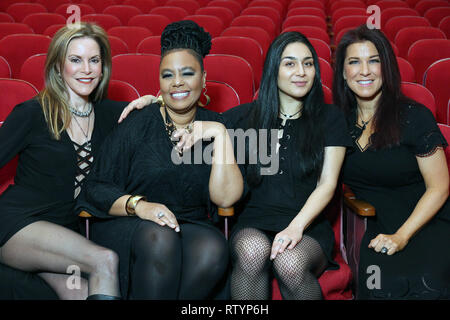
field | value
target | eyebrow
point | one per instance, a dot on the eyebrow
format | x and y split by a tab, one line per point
295	58
376	55
77	56
182	69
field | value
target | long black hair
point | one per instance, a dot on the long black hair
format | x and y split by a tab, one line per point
388	114
310	136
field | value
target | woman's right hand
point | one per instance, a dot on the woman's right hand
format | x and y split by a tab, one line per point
157	213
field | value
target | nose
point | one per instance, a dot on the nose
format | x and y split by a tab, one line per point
300	70
178	81
86	67
365	70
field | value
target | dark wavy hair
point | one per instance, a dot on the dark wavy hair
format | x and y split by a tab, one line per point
186	34
388	114
265	116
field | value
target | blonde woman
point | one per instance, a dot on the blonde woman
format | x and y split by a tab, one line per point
57	135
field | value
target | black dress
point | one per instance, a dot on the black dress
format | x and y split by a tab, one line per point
44	185
137	159
391	181
274	203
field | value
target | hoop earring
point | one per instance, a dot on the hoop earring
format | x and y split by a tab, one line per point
208	99
160	100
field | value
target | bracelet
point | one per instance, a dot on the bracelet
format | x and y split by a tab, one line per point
130	205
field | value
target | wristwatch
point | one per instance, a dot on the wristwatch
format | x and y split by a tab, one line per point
130	206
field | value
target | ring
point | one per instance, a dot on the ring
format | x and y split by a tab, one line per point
280	240
189	128
384	250
160	215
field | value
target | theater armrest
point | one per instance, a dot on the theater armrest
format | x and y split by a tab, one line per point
360	207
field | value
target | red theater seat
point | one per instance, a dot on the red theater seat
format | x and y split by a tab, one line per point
33	70
407	73
224	14
222	95
122	91
304	20
99	5
256	33
123	12
39	22
395	24
144	5
29	44
211	24
20	10
262	22
4	17
173	13
106	21
151	45
52	5
424	5
8	28
420	94
189	5
437	79
155	23
435	15
234	6
118	46
407	36
5	69
132	36
311	32
84	9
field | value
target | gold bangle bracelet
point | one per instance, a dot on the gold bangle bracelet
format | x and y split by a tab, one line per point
130	205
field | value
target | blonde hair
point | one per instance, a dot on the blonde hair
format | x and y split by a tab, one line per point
54	98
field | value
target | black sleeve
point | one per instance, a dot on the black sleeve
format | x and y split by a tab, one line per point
16	129
336	130
108	179
421	132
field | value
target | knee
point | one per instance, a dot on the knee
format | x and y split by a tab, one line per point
107	261
289	267
250	256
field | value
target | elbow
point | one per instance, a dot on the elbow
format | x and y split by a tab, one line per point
229	196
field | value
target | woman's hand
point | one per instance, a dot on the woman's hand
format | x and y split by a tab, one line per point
157	213
392	242
198	130
288	238
136	104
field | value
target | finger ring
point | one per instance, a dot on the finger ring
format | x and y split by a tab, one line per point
280	240
384	250
160	215
189	128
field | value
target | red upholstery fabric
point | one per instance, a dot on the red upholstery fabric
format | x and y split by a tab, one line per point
155	23
29	44
5	69
256	21
224	14
243	47
139	70
150	45
4	17
389	13
32	70
406	37
436	79
52	5
347	11
41	21
132	36
424	52
7	28
322	49
422	6
118	46
173	13
420	94
20	10
211	24
258	34
223	96
311	32
305	20
51	30
106	21
269	12
407	73
326	73
395	24
123	12
84	9
444	25
99	5
234	6
144	5
436	14
122	91
242	84
189	5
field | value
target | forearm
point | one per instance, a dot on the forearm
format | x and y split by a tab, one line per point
226	182
426	208
118	207
314	205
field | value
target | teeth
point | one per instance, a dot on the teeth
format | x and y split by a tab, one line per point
85	80
365	82
180	95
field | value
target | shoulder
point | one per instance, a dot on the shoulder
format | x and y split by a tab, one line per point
238	116
28	110
110	107
208	115
415	111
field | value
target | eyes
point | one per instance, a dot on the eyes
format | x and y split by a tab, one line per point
168	74
371	61
94	60
292	63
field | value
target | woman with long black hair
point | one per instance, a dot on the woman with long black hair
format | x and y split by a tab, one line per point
279	225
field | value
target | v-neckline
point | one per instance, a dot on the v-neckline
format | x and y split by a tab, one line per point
369	143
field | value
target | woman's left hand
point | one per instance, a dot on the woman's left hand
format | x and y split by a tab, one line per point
286	239
198	130
392	242
136	104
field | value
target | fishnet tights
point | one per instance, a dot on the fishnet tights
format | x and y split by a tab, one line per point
296	270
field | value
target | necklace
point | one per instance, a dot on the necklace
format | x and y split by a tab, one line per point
86	134
171	128
364	123
82	114
288	116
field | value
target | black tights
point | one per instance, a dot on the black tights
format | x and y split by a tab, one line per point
170	265
296	270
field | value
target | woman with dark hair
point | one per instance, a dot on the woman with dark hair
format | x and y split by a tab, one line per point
152	197
397	164
279	226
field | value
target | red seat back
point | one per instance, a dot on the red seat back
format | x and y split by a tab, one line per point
132	36
123	12
155	23
7	28
407	73
407	36
395	24
20	10
33	70
106	21
211	24
41	21
262	22
224	14
173	13
420	94
122	91
436	79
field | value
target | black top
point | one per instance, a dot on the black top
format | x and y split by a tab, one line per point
390	180
44	186
274	203
138	159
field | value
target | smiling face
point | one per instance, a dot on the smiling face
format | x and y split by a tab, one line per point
296	73
362	70
82	69
181	80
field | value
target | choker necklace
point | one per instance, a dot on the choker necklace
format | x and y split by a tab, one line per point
82	114
287	116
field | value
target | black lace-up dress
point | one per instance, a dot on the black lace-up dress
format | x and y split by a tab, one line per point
391	181
49	172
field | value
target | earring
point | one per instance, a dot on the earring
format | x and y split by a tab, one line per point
160	101
208	99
